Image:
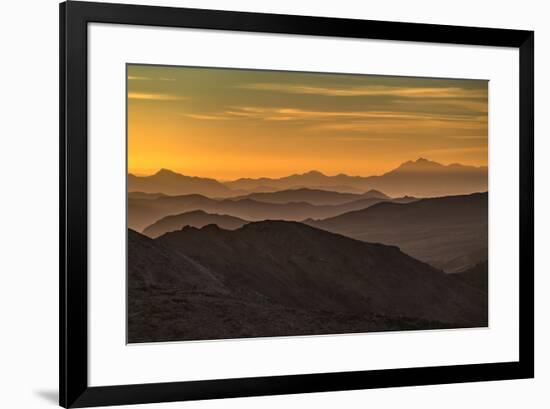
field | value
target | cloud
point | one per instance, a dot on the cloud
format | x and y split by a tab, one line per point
154	97
478	105
355	138
369	90
468	137
140	78
295	114
374	122
207	117
421	126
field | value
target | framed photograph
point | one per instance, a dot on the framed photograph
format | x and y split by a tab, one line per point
257	204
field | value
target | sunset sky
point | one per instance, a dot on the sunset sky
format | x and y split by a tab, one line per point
228	123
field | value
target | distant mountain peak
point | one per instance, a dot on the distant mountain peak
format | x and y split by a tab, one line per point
420	163
374	191
191	213
173	183
164	171
314	173
211	227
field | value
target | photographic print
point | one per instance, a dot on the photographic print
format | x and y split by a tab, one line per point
275	203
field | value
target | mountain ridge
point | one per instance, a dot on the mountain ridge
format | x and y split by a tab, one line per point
172	297
300	266
312	196
144	212
414	178
436	179
195	218
448	232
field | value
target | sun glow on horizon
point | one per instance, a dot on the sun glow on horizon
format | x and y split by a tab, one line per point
229	123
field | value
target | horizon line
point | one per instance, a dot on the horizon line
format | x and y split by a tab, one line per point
420	159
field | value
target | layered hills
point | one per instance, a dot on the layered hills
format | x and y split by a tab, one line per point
307	253
196	218
313	196
172	183
412	178
142	212
285	278
450	232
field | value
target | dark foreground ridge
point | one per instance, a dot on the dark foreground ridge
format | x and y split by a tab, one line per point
277	278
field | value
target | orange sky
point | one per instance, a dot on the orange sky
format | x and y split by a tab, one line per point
228	123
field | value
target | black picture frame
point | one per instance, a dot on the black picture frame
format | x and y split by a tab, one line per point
73	349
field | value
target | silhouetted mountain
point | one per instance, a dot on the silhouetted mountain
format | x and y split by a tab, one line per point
150	264
426	178
172	183
143	195
172	297
271	189
447	232
301	267
405	199
312	196
311	180
477	276
144	212
415	178
196	218
373	193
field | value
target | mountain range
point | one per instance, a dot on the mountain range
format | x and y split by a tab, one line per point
142	212
313	196
413	178
450	232
172	183
307	253
196	218
285	278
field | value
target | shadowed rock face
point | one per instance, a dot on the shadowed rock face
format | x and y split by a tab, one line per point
301	266
477	276
152	265
283	278
448	232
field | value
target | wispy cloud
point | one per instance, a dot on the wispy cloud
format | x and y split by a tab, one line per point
422	126
376	123
362	138
154	97
468	137
369	90
140	78
478	105
295	114
207	117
